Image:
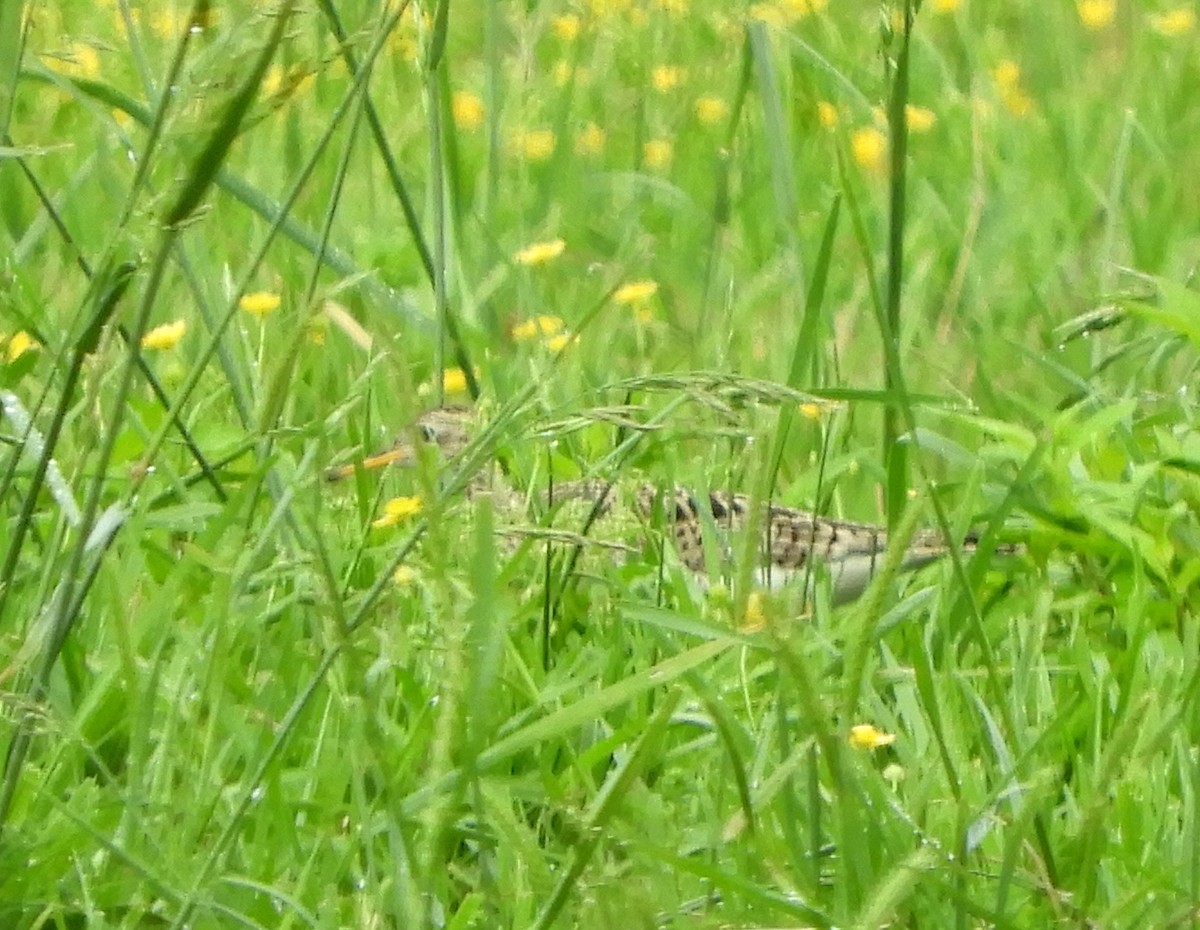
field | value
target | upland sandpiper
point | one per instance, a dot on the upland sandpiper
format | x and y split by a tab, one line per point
795	543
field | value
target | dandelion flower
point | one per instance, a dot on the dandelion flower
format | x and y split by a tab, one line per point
397	510
559	341
919	119
827	114
710	110
454	381
538	144
467	110
561	73
590	140
770	14
1017	103
540	252
1174	23
405	576
867	736
166	336
657	153
544	325
566	27
20	343
1096	14
1007	74
260	303
666	77
868	147
635	292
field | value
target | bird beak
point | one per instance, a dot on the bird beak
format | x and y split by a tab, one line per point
398	454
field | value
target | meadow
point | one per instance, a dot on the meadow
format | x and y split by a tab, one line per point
918	263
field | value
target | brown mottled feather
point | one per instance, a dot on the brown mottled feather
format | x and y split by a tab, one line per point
794	539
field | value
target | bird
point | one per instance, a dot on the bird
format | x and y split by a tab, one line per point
446	428
795	543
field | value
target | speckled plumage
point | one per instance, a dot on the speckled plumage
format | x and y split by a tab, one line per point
795	543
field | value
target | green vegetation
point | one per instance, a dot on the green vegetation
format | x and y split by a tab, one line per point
782	249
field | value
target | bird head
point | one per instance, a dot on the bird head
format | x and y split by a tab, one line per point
448	429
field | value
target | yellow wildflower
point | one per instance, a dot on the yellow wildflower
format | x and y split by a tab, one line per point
710	110
566	27
167	24
666	77
454	381
405	576
538	144
560	341
260	303
79	60
635	292
544	325
467	110
944	6
166	336
810	411
919	119
590	140
540	252
1177	22
1007	74
867	736
769	13
868	146
1096	14
397	509
1017	102
657	153
827	114
20	343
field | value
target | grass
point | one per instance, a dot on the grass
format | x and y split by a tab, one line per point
228	701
